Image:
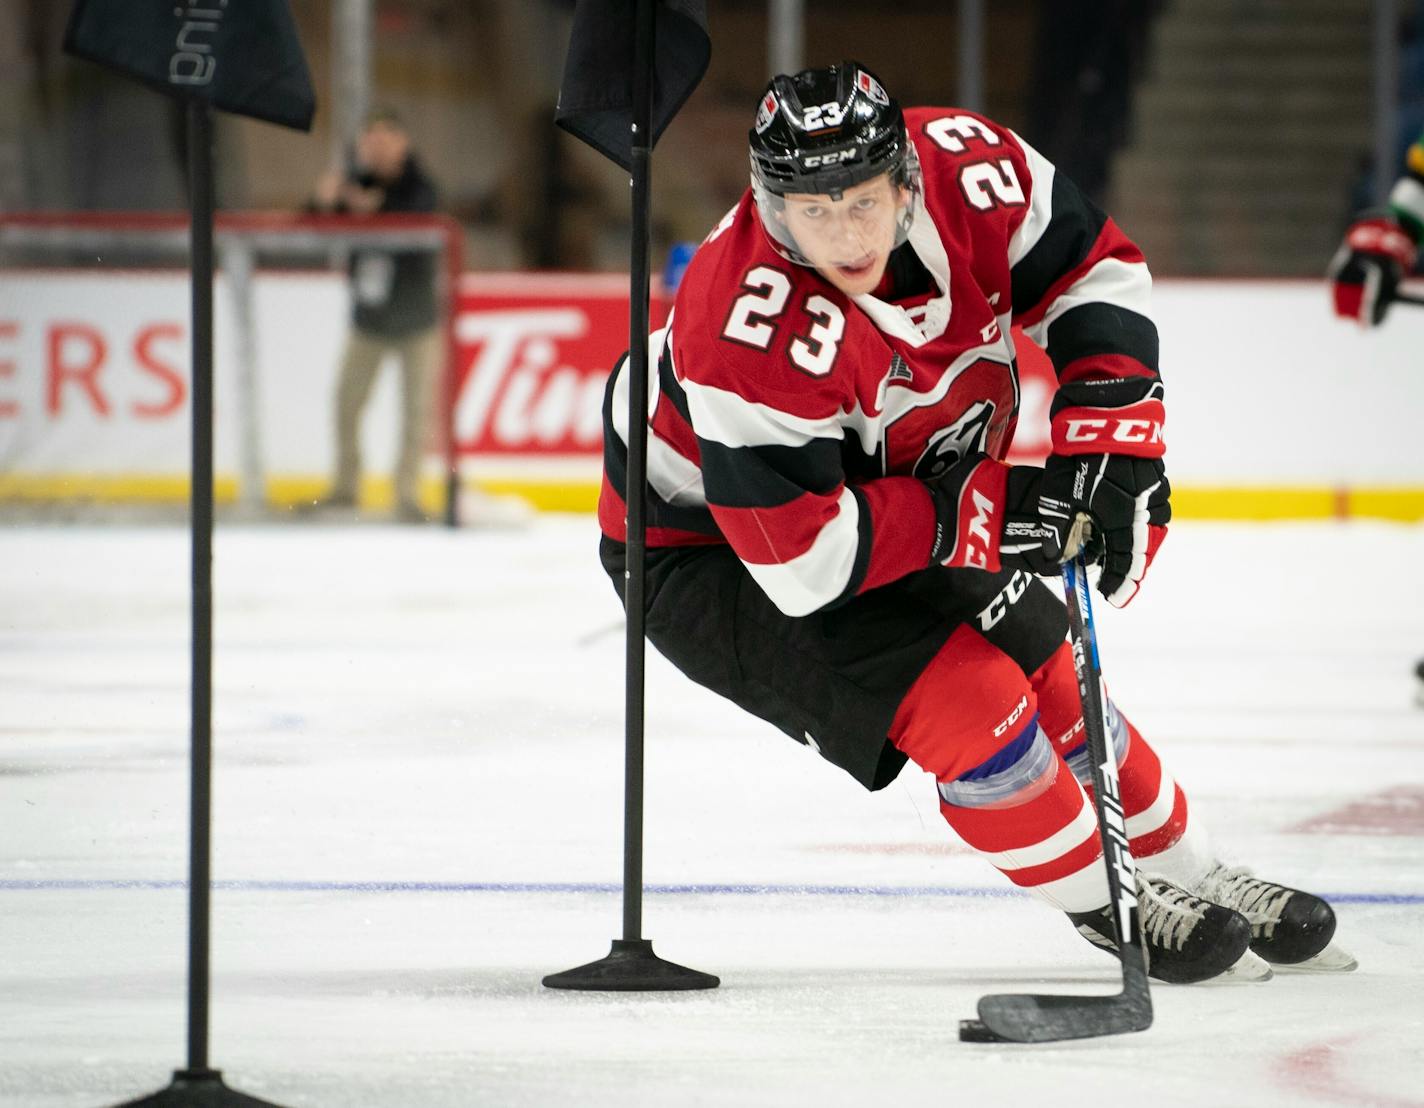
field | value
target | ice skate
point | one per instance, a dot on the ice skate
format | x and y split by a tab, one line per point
1187	939
1289	928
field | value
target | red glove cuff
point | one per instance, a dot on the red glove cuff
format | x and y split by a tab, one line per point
1385	237
1135	430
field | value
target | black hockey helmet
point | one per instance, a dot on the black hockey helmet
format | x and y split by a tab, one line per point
823	131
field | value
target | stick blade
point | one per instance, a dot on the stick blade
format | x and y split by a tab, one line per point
1035	1018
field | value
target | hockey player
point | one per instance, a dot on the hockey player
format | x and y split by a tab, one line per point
1379	250
834	542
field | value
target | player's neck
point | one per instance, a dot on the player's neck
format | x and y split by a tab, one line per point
905	276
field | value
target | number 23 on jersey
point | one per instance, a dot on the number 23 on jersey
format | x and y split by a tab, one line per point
753	321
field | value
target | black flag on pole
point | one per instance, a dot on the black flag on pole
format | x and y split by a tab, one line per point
243	58
596	97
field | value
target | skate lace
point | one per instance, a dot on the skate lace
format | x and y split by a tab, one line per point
1169	914
1237	888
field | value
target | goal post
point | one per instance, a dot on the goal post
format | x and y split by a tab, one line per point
94	352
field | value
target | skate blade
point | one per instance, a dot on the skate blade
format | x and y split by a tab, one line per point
1330	960
1249	967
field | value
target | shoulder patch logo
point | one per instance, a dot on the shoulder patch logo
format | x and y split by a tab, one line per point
899	371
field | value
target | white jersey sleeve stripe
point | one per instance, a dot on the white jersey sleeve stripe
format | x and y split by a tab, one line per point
1040	210
820	575
1111	281
622	385
676	479
724	416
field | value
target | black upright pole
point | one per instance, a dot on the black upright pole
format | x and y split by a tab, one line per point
199	1085
637	478
201	499
631	965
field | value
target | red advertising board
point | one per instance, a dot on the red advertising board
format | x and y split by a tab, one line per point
532	352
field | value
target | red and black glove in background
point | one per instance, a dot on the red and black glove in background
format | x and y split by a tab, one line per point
1375	256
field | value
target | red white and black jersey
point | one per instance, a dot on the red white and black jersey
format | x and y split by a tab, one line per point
798	424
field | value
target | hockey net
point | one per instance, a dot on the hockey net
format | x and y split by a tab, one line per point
94	358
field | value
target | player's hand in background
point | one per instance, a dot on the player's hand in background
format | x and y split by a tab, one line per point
1376	254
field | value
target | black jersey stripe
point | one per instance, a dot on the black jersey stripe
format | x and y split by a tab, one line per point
769	476
669	384
1101	328
1073	228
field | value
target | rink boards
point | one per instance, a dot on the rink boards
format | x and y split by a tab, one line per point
1276	410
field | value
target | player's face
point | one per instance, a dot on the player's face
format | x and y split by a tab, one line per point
848	240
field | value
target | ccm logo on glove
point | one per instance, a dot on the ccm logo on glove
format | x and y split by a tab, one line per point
1135	429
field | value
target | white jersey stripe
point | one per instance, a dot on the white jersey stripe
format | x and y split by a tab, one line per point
1040	210
622	386
1124	284
723	416
815	578
677	480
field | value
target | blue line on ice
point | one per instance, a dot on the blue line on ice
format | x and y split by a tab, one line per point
15	885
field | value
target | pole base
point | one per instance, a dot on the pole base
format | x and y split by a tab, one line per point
631	967
200	1089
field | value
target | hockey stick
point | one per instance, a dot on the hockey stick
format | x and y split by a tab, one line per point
1034	1018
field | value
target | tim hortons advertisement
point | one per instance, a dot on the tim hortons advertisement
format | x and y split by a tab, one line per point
532	353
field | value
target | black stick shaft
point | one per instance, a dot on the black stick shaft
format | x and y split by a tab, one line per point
637	470
200	168
1112	822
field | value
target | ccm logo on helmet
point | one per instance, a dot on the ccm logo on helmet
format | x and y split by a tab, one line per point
835	157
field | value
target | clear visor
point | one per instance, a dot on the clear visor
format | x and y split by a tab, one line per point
842	217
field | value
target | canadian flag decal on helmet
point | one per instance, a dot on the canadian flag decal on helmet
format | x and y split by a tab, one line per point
765	111
871	87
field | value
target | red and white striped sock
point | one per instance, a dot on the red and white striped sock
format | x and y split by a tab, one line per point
1048	845
1165	840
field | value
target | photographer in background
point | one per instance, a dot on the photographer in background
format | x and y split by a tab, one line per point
394	310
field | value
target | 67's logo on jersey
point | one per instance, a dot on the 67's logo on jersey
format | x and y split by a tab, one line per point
930	436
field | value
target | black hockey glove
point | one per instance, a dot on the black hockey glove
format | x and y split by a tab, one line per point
1107	465
1365	273
986	517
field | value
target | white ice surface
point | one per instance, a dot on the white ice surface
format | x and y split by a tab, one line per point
418	741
